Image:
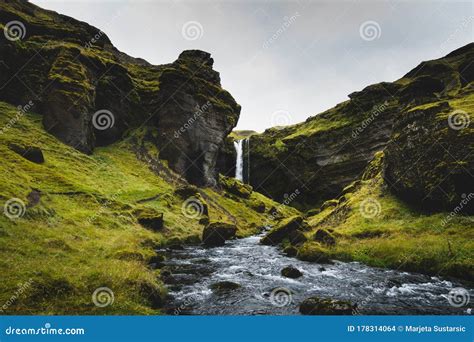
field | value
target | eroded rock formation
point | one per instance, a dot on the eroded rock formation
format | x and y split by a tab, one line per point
90	94
429	161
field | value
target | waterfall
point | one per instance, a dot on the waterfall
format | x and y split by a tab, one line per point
239	163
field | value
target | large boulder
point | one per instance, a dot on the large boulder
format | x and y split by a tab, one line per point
186	191
326	306
258	206
31	153
291	272
216	233
149	218
236	187
290	251
324	237
284	230
313	252
224	286
297	237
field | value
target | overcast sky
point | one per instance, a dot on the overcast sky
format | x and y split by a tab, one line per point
285	61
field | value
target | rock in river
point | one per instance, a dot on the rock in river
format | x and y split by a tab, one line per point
291	272
224	286
216	233
284	230
326	306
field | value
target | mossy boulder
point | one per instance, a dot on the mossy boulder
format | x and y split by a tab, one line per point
290	251
236	187
313	252
224	286
186	191
326	306
324	237
297	237
149	218
283	230
291	272
192	239
156	260
152	293
216	233
275	213
258	206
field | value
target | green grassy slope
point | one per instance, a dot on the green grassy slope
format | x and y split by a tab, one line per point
83	232
373	226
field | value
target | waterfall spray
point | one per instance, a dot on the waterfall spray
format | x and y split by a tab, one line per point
239	163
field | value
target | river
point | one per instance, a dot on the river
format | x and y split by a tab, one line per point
264	291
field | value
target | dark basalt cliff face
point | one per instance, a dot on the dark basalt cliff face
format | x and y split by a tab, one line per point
90	94
421	121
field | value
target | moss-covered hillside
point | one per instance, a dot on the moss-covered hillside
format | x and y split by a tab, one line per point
90	94
423	121
91	221
371	225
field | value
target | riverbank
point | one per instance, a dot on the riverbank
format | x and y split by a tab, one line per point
372	226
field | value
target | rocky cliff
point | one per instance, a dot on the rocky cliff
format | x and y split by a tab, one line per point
421	121
90	94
